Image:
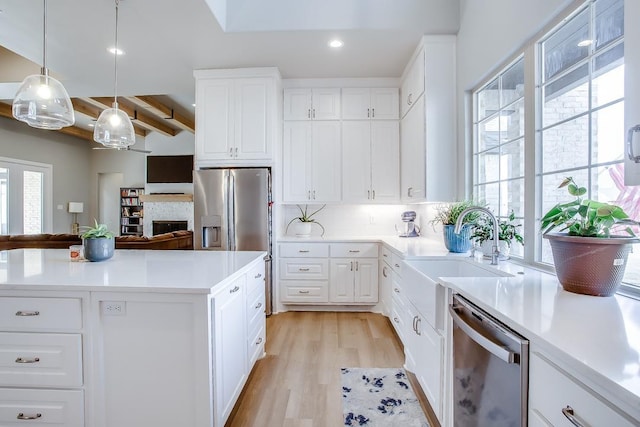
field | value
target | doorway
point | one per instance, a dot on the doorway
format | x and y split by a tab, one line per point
109	200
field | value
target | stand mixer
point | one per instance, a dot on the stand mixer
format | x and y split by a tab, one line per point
410	228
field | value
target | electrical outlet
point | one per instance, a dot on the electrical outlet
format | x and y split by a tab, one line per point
113	308
372	219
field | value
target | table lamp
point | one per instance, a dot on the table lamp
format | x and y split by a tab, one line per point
75	208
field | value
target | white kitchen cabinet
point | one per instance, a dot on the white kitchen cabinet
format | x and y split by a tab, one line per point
428	129
371	163
312	162
312	104
236	117
354	273
427	348
567	398
370	104
304	273
412	83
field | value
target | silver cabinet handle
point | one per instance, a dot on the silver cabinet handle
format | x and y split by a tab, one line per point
571	416
314	194
303	292
235	289
314	113
395	319
396	290
303	269
308	194
27	360
303	251
357	266
409	192
236	151
354	251
257	276
258	305
368	194
374	194
632	156
410	99
23	416
259	341
413	324
309	113
385	255
397	265
373	112
27	313
384	271
351	265
231	152
418	321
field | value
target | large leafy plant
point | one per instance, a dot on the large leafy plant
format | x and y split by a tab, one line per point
96	232
584	217
305	216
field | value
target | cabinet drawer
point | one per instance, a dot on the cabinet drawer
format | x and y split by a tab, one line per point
547	402
255	310
24	313
255	345
40	360
306	268
396	264
304	250
48	407
354	250
385	253
255	279
304	291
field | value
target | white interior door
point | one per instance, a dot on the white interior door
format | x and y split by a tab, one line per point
109	200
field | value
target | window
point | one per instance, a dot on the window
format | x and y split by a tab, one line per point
579	125
25	194
499	145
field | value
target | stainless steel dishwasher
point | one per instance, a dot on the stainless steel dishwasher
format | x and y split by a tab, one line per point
490	369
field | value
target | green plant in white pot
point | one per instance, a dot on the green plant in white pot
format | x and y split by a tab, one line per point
98	242
508	232
302	223
588	258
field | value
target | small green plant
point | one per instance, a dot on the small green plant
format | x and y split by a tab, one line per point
448	213
584	217
306	217
96	232
508	231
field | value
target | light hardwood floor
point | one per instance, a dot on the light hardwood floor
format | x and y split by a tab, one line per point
298	382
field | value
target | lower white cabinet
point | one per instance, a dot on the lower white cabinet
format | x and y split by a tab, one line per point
36	407
567	402
354	280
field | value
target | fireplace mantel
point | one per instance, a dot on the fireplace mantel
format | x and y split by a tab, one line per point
159	198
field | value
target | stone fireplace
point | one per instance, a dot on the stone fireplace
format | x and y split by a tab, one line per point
163	213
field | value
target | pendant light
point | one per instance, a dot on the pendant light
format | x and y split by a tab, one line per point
114	128
41	101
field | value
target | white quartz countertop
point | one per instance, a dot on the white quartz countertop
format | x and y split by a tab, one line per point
127	270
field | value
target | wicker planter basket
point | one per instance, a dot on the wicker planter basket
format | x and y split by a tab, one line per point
590	265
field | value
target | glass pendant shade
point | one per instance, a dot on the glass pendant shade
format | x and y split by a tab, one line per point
42	102
114	128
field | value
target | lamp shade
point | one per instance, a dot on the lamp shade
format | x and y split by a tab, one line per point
114	129
76	207
42	102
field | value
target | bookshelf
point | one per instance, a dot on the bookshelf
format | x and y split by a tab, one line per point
131	211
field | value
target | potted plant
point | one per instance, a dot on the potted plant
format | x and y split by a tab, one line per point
98	242
587	257
447	215
508	232
304	221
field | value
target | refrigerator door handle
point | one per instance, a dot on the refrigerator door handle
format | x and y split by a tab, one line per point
231	207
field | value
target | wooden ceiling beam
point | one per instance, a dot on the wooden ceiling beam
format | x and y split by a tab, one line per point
151	103
141	118
5	111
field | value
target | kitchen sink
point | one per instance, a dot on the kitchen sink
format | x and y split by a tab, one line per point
434	268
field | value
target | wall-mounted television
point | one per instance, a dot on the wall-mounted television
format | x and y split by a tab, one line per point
165	169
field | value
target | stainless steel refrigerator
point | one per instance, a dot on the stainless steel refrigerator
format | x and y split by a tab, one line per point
232	212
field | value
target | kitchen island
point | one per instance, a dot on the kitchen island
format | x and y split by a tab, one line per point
160	338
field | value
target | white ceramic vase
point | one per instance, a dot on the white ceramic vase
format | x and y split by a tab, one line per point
302	229
503	247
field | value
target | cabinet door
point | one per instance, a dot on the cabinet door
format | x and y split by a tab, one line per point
366	280
412	155
384	104
230	346
356	158
214	119
413	84
254	118
297	104
385	161
356	104
384	288
429	371
341	283
297	157
326	165
325	104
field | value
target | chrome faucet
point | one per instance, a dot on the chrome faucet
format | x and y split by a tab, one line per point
495	252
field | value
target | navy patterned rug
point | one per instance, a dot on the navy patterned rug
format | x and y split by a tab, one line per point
379	397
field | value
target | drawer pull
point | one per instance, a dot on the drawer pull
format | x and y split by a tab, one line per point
258	305
303	292
22	416
397	265
395	319
385	255
257	276
571	416
303	269
353	251
384	271
27	360
27	313
235	289
259	341
396	290
303	251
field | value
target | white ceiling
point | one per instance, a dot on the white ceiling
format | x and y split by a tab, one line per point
165	40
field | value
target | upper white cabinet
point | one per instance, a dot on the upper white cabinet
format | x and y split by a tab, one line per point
428	127
413	83
236	115
370	156
312	104
370	104
312	161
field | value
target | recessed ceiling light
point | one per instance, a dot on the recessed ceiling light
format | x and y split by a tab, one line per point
114	51
585	43
336	43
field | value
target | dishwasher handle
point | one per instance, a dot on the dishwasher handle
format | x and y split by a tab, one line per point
495	349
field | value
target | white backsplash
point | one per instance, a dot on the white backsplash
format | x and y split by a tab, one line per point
167	211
